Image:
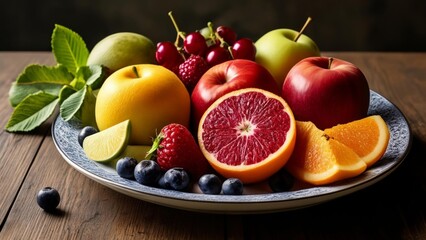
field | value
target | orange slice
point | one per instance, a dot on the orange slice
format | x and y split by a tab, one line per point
368	137
247	134
319	159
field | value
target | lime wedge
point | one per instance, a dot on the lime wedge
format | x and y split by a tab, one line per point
137	152
106	145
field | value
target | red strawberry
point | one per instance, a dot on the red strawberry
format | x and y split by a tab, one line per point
191	71
176	147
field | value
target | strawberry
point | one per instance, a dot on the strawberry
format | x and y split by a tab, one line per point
191	70
175	146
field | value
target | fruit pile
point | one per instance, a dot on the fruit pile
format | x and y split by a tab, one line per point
211	109
200	50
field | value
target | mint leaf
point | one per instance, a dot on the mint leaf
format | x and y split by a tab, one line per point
79	105
65	92
32	112
69	48
36	78
72	104
95	75
87	110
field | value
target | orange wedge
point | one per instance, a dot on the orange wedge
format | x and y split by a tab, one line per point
319	159
368	137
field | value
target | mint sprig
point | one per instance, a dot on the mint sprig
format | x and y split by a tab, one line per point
39	90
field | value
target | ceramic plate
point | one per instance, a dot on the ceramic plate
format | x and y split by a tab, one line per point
257	198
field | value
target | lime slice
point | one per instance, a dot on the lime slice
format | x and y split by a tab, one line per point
106	145
137	152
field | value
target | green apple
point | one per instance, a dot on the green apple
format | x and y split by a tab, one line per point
278	52
122	49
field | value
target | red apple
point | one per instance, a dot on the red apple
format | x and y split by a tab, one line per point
226	77
326	91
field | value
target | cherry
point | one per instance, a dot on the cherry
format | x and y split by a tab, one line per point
167	54
216	55
244	48
228	35
195	43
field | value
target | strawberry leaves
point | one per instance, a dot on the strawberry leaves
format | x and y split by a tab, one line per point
38	90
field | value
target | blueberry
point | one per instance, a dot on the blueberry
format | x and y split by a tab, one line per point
281	181
85	132
175	179
232	186
125	167
48	198
210	184
147	172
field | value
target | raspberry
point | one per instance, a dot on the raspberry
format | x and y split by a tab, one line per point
191	71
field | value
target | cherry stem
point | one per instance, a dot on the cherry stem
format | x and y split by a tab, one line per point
135	71
303	29
210	26
179	33
330	60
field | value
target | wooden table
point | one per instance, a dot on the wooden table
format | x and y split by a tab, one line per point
394	208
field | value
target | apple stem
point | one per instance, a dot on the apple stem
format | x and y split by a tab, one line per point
330	60
179	33
135	71
303	29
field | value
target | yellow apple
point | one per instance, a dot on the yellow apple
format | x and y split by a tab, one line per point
151	96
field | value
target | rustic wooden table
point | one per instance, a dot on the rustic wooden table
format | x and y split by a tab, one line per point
394	208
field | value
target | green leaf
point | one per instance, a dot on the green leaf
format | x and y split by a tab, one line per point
32	112
72	104
69	48
87	111
37	78
95	75
78	83
65	92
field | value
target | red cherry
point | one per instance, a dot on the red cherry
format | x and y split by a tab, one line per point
244	48
217	55
168	54
195	43
227	34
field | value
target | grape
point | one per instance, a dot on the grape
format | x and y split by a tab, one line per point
195	43
244	48
228	35
217	55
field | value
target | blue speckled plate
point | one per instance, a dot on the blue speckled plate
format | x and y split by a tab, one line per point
257	198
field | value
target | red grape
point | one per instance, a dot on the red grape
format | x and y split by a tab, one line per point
244	48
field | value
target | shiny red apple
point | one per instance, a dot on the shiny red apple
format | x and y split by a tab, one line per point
326	91
226	77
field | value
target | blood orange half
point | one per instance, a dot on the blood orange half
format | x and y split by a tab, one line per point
248	134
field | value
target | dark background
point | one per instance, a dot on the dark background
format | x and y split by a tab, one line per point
354	25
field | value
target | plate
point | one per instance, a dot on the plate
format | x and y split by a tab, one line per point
257	198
